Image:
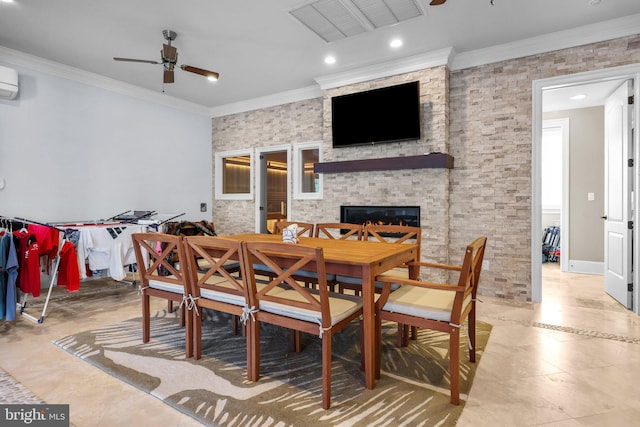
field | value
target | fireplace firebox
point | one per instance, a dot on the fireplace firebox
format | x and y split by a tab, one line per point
391	215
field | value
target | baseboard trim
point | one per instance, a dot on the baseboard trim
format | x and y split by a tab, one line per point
586	267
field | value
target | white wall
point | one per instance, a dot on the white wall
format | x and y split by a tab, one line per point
586	175
70	151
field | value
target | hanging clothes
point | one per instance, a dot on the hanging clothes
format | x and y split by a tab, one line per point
68	272
8	276
107	247
29	259
48	238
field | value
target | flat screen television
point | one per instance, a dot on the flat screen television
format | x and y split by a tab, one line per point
387	114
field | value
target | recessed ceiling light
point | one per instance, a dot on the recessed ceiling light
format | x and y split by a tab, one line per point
578	97
395	43
7	1
330	60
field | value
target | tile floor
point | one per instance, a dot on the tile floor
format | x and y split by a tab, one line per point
572	360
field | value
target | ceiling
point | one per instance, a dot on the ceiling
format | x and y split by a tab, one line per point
259	48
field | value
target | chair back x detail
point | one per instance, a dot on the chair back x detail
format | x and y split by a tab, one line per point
338	230
304	228
162	268
213	285
393	234
286	303
438	306
385	233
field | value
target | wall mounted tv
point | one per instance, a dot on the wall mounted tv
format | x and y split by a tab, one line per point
387	114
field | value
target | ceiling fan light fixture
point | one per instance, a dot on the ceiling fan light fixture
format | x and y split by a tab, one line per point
169	56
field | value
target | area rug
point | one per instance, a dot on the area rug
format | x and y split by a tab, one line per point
413	389
14	392
95	297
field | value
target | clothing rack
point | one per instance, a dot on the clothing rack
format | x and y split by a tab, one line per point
133	218
54	274
68	228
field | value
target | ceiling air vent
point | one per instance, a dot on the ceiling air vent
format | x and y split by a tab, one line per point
334	20
382	13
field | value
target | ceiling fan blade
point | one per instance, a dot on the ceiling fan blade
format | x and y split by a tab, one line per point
437	2
146	61
169	53
209	74
168	76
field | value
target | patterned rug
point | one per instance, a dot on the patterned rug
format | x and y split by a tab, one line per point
413	389
12	391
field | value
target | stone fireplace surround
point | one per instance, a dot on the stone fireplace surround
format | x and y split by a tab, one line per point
481	115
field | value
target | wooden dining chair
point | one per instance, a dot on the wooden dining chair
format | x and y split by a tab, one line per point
298	308
398	234
338	230
440	307
157	258
304	228
214	286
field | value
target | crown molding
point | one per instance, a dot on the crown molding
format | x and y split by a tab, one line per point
606	30
594	33
389	68
280	98
36	63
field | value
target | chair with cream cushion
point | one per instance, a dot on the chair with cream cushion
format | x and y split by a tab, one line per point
304	229
318	312
334	230
157	257
399	234
212	285
440	307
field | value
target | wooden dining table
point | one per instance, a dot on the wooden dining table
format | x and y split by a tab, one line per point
358	259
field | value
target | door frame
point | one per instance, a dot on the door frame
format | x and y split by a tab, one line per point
259	181
631	71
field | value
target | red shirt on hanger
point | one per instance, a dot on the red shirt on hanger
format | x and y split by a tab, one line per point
29	259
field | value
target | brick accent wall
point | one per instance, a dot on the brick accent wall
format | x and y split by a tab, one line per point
427	188
283	124
490	138
480	115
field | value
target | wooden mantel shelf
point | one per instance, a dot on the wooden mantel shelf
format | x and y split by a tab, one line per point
431	160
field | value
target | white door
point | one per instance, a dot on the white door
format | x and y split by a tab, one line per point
618	214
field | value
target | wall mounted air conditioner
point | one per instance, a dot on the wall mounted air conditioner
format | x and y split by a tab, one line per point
8	83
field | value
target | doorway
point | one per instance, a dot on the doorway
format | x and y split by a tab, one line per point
274	188
555	186
539	88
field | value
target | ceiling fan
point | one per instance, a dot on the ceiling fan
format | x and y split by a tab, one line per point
169	56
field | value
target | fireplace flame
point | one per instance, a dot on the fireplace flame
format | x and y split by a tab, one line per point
379	222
